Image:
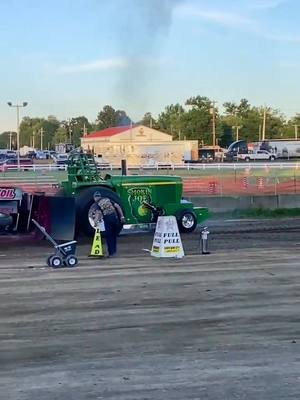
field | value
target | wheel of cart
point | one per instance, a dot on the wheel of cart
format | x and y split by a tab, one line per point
64	253
71	260
55	261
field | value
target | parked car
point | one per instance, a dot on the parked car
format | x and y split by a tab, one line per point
31	154
52	154
49	153
41	155
12	163
11	154
61	160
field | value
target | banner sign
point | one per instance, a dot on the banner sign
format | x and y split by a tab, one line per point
167	240
10	194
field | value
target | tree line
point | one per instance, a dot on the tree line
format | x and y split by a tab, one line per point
191	120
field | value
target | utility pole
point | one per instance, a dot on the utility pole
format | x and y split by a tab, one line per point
237	127
296	132
10	135
42	133
213	113
263	135
259	132
33	139
70	134
70	131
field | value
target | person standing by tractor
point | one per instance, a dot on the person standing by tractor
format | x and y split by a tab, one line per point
112	214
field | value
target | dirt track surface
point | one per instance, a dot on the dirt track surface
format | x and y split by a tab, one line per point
222	326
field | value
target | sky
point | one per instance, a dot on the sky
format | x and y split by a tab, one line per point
71	57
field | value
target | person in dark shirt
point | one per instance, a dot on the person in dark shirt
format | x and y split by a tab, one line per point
112	214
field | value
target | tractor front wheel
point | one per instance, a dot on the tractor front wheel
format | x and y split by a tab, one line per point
186	220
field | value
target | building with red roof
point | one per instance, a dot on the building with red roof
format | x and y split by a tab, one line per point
139	145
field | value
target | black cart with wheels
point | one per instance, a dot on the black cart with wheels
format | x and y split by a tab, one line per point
64	253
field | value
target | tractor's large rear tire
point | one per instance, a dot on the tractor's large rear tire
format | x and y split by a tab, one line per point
84	201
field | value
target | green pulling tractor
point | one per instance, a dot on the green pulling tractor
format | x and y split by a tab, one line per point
142	198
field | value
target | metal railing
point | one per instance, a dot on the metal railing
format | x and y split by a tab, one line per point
161	166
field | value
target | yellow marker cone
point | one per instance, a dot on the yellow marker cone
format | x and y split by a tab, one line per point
97	244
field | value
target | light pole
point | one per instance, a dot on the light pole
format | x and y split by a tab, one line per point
263	134
70	130
10	139
18	106
296	131
33	140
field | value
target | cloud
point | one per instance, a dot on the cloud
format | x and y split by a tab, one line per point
239	20
217	16
266	4
97	65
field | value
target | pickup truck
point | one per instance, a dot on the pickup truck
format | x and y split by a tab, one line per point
259	155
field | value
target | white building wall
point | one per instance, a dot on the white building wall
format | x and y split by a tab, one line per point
145	153
141	145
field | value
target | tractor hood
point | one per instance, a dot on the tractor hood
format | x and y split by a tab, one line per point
168	187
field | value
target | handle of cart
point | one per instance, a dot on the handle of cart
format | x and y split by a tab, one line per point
45	233
64	252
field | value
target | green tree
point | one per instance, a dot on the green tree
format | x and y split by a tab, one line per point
235	116
37	130
79	126
275	123
4	140
50	126
171	120
148	120
198	120
251	124
109	117
240	110
29	127
60	136
199	103
194	123
250	121
291	129
225	134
